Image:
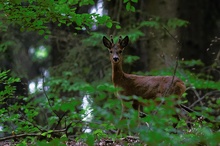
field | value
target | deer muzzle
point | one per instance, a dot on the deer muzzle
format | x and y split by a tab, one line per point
115	58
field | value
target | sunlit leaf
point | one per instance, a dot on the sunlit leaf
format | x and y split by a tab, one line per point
128	6
109	24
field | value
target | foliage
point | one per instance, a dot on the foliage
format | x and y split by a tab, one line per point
65	117
6	82
156	22
135	31
3	46
36	15
130	59
175	22
58	113
129	6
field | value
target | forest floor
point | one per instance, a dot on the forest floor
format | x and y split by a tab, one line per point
129	141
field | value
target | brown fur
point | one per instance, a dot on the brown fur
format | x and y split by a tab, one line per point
147	87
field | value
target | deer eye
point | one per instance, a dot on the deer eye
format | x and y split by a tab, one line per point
110	52
120	51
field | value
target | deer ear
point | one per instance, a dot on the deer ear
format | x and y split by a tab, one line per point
106	42
124	42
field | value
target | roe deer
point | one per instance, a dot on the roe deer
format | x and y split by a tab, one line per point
147	87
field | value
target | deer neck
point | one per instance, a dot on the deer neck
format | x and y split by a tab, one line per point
117	73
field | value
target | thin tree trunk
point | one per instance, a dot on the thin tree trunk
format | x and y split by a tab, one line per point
158	47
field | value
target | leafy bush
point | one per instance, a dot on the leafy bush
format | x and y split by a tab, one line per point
51	119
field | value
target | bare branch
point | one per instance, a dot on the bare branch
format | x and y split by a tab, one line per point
197	95
203	97
29	134
43	87
33	124
61	118
19	136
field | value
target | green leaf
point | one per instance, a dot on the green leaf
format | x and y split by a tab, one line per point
132	9
47	133
44	133
78	20
107	87
109	24
135	1
39	22
128	6
62	1
130	59
152	23
78	28
46	37
218	101
41	32
103	19
62	21
191	63
90	139
17	1
175	22
64	9
118	27
66	106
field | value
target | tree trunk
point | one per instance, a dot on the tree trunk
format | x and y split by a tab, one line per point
204	27
158	47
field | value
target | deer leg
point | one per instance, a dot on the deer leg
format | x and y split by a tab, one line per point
123	109
176	116
137	106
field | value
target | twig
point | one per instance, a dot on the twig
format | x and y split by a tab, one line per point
174	73
28	134
60	119
39	134
19	136
33	124
168	89
177	58
79	121
178	42
45	91
203	97
197	95
48	97
176	65
175	68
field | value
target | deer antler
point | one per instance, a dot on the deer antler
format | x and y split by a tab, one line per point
119	40
112	39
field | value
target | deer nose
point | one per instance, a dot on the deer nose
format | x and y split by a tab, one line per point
115	59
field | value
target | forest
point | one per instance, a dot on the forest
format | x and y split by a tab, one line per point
56	76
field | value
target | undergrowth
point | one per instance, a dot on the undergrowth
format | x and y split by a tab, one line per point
67	110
